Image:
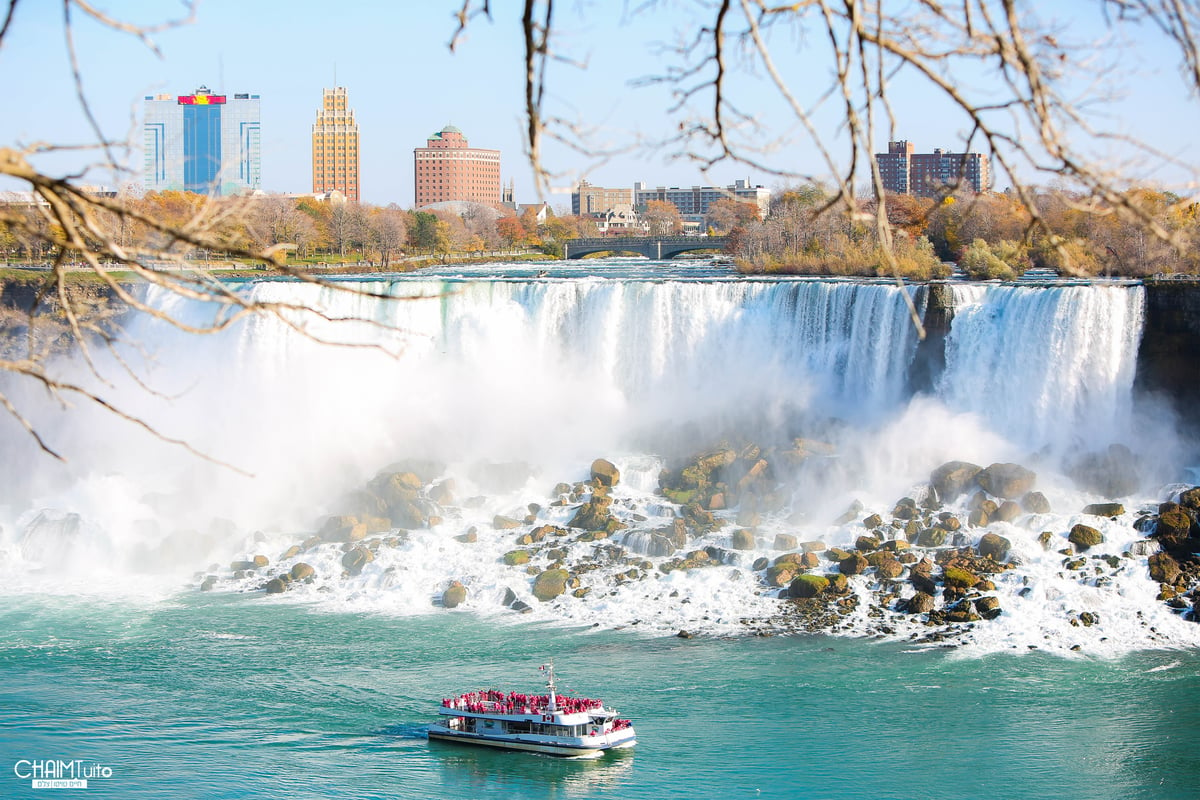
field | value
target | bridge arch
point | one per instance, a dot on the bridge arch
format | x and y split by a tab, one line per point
653	247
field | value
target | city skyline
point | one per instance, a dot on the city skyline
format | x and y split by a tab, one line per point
401	93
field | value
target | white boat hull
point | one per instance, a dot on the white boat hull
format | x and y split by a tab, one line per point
583	749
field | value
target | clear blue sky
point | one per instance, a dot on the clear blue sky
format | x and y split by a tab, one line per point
404	84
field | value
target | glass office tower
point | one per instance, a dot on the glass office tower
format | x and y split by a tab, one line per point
203	142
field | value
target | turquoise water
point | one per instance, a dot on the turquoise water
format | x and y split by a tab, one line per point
226	696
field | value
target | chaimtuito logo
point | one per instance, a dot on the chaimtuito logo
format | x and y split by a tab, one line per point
52	773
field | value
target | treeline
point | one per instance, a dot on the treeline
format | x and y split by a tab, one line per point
991	235
311	230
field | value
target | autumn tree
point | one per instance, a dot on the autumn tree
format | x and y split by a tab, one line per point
728	213
511	231
662	218
388	231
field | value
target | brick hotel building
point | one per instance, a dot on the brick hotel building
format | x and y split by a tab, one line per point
448	168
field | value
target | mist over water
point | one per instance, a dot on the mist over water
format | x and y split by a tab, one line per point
550	373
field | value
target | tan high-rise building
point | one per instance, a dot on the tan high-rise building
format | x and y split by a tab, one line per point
335	146
447	168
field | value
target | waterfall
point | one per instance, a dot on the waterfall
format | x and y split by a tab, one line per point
1045	365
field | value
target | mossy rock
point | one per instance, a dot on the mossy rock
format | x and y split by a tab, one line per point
680	496
276	586
1190	498
516	557
958	578
550	584
872	522
805	586
1085	537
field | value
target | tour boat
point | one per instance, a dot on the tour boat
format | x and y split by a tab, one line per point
548	723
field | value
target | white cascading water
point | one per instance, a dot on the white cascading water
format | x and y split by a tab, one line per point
553	373
1045	365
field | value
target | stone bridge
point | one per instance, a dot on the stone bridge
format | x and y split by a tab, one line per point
654	247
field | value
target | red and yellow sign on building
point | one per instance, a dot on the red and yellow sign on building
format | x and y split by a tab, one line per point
201	99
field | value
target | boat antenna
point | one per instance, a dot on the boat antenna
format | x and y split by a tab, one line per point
552	706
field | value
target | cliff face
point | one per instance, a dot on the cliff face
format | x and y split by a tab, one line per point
1170	346
930	359
32	322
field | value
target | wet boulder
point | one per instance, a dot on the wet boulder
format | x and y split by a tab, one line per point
853	564
1114	472
276	586
550	584
515	558
806	586
1006	512
958	578
785	541
503	523
743	539
594	515
919	603
988	607
932	537
890	569
1110	510
1006	480
605	472
355	559
515	603
1173	528
1084	537
994	546
454	595
1035	503
953	478
920	575
301	570
1164	568
1190	498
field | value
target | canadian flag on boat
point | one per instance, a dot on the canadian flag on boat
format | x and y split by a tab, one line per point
544	667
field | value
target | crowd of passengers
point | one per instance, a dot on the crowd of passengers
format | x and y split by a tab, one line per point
496	702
